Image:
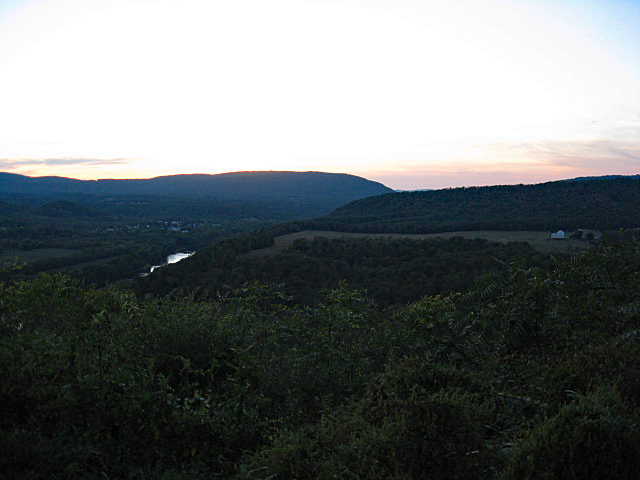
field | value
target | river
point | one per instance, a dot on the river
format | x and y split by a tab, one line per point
173	258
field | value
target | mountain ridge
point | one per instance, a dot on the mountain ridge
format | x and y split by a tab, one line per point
232	185
607	203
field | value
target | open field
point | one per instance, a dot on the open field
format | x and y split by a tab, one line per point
540	241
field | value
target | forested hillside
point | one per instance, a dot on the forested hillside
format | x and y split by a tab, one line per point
529	375
601	204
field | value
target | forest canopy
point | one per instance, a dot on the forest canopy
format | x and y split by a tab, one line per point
532	374
391	271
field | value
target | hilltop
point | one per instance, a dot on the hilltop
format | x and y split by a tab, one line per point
607	203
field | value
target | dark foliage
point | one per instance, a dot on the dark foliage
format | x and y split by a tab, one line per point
531	374
392	271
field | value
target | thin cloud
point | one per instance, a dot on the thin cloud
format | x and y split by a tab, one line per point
516	162
13	164
7	164
85	161
597	155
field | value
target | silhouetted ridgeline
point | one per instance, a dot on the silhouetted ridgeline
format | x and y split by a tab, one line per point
602	203
237	185
263	196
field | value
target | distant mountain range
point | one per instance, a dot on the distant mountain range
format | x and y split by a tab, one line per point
263	195
237	186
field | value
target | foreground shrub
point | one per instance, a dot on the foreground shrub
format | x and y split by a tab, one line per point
430	430
590	438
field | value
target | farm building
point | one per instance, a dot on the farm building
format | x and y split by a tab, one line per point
590	234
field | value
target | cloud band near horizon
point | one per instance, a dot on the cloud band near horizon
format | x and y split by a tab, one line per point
492	163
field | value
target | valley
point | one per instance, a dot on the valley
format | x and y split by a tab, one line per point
110	230
418	335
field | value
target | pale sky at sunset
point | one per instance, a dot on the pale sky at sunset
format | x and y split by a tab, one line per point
412	93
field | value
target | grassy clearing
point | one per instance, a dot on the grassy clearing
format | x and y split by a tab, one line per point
538	240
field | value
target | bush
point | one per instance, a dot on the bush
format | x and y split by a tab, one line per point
590	438
432	431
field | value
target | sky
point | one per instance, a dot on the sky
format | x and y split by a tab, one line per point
412	93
